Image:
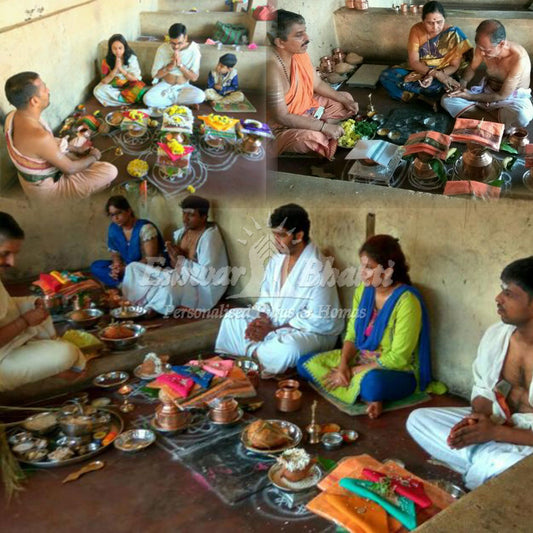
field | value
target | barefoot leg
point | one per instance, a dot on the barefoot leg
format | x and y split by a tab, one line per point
374	409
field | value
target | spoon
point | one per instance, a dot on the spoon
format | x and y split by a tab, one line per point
93	465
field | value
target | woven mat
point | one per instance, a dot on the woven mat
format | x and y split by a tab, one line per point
242	107
360	408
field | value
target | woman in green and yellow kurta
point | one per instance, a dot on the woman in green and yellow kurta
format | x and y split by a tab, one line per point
385	354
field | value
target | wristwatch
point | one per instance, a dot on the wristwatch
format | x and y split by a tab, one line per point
180	66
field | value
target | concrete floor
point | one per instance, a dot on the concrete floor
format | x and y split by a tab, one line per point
149	491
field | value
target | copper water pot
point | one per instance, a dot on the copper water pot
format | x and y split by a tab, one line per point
224	409
326	64
361	5
338	55
288	396
477	162
519	140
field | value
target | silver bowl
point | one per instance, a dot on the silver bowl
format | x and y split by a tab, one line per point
93	316
123	344
128	312
134	440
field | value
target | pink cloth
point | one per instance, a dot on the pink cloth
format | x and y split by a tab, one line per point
181	385
219	367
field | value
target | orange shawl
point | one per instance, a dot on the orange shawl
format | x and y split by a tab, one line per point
300	96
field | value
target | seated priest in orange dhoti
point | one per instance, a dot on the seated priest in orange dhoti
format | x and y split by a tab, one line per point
303	110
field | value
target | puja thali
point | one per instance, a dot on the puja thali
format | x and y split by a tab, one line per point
58	449
290	429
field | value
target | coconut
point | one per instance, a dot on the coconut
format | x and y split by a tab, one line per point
335	78
353	58
343	68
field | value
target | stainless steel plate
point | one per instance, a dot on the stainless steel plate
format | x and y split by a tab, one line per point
111	379
134	440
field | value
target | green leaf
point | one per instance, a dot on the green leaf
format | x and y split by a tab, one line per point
326	464
506	147
438	167
496	183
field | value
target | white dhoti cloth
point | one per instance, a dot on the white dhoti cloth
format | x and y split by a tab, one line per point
307	305
32	355
431	427
164	95
197	284
514	111
478	463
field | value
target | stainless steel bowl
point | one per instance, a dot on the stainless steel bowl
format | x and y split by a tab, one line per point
93	316
128	312
124	344
331	441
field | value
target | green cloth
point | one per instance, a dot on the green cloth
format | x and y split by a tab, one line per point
396	351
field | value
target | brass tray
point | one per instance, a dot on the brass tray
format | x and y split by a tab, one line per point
116	425
292	429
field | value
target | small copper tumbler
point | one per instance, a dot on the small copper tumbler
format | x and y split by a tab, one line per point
224	410
288	397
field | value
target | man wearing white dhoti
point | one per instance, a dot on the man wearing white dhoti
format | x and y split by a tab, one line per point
298	308
504	93
176	64
200	272
27	350
497	431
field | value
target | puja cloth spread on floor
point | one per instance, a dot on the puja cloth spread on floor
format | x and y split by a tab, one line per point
359	514
239	107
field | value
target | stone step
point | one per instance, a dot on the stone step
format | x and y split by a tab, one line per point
250	63
185	5
200	25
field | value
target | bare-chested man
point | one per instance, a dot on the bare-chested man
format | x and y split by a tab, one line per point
303	110
497	431
504	92
48	168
